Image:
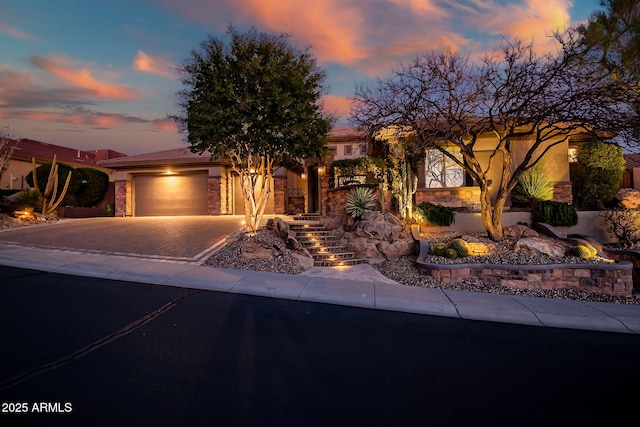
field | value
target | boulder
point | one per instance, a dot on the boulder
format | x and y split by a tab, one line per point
334	222
378	230
364	248
374	216
396	249
282	229
629	198
389	217
539	245
305	260
235	237
519	230
258	250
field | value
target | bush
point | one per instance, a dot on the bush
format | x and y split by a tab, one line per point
558	214
359	201
435	214
93	185
600	169
28	198
533	185
43	171
624	224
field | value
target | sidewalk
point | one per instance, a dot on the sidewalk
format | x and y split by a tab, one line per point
356	286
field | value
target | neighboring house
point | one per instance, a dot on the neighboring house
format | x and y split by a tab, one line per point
24	150
631	177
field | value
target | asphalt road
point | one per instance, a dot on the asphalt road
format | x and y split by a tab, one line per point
99	352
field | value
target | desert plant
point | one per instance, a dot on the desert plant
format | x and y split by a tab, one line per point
584	250
49	200
460	246
435	214
28	198
109	209
533	185
450	253
554	213
359	201
439	249
624	224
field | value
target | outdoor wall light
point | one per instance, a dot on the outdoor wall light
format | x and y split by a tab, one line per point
303	176
321	170
169	172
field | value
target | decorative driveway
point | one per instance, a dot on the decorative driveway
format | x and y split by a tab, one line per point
187	238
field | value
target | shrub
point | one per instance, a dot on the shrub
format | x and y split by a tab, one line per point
28	198
93	185
533	185
601	166
43	171
435	214
624	224
359	201
555	213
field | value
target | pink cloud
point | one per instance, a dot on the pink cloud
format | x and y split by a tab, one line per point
337	105
166	124
62	68
14	32
154	65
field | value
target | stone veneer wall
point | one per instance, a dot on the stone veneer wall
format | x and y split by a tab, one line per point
123	202
609	279
279	195
563	192
457	197
215	194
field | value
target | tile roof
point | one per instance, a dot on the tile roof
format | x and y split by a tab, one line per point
173	156
25	149
633	160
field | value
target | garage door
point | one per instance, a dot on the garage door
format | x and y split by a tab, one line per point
180	194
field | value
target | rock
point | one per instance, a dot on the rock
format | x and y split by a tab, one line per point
364	248
519	230
282	228
378	230
539	245
258	250
305	261
389	217
629	198
235	237
396	249
374	216
334	222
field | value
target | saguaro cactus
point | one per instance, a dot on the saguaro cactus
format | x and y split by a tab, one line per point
49	201
404	188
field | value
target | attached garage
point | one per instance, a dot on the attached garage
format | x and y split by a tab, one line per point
177	194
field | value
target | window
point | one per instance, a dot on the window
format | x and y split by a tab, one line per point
348	150
363	149
441	171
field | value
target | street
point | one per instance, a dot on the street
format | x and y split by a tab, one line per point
86	351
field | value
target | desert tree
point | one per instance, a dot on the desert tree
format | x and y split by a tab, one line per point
254	100
526	102
6	151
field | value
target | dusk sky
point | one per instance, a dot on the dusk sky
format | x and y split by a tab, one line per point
93	74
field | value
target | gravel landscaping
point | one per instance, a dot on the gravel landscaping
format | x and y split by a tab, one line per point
7	221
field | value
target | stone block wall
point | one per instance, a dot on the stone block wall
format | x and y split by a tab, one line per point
215	195
279	194
563	192
336	200
614	279
123	201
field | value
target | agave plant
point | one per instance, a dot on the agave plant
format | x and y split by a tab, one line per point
359	201
533	185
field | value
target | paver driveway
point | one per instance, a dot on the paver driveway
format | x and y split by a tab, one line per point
176	238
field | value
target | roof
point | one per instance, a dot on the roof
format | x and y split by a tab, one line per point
174	156
25	149
633	160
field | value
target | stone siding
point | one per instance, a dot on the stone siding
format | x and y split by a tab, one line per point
279	195
563	192
615	279
458	197
336	201
215	195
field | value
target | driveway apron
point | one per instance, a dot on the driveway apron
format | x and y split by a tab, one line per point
188	238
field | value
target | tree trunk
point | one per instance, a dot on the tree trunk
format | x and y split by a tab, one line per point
491	215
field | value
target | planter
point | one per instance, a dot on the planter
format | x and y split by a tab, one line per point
76	212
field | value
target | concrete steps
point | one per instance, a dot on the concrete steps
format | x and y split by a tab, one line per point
320	242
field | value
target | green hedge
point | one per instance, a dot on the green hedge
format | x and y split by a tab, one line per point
435	214
557	214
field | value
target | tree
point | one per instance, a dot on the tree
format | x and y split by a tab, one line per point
6	151
255	102
601	167
515	95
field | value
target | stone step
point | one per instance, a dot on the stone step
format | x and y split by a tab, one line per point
312	240
339	263
306	227
330	256
313	233
325	249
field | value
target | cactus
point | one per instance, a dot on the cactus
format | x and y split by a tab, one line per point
460	246
49	202
585	251
450	253
439	249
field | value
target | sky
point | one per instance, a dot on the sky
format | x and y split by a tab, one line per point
100	74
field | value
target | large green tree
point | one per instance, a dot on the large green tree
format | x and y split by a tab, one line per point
253	99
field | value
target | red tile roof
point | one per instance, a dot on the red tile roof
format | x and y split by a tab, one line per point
633	160
25	149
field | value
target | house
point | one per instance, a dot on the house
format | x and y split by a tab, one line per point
631	177
24	150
